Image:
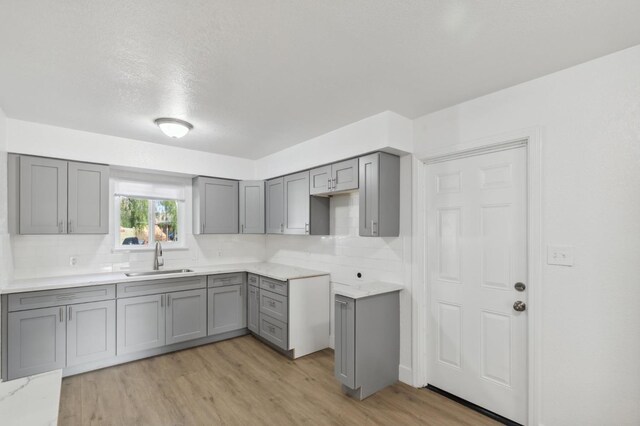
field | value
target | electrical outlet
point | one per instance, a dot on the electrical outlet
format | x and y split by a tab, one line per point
73	261
560	255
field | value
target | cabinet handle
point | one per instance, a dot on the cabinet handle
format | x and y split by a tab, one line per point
202	228
70	315
60	227
374	224
242	228
334	185
329	184
69	227
61	314
282	227
162	301
306	228
342	302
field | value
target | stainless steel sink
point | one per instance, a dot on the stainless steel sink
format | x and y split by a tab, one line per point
162	272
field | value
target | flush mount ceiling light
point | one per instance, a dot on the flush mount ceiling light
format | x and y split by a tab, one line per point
173	127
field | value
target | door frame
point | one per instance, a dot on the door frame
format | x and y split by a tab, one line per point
531	138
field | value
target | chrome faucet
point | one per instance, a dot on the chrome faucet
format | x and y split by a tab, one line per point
157	257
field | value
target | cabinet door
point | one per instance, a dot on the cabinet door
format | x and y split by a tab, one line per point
36	341
344	175
226	309
253	317
296	203
140	323
275	206
345	340
368	194
91	332
88	199
186	315
320	180
252	207
43	196
218	199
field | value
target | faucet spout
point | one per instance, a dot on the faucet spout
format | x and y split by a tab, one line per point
157	257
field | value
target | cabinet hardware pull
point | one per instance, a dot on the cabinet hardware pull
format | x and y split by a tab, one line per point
60	227
61	313
342	302
282	227
334	185
329	184
306	228
168	300
242	228
70	314
69	226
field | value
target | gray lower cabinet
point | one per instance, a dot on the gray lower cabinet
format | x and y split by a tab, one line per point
227	309
140	323
252	207
367	342
253	309
275	331
379	195
275	206
91	332
36	341
59	197
186	315
215	206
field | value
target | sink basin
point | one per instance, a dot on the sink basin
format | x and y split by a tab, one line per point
161	272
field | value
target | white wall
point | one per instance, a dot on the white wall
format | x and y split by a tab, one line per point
589	117
344	254
50	141
6	265
386	130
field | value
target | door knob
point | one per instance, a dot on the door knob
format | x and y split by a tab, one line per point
520	286
519	306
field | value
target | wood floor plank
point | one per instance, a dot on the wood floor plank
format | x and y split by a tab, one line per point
243	382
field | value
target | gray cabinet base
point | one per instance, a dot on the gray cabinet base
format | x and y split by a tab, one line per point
122	359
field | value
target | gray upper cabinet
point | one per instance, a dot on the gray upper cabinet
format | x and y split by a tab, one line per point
337	177
252	207
275	206
140	323
215	206
36	341
379	195
60	197
186	315
296	203
91	332
320	180
88	211
43	196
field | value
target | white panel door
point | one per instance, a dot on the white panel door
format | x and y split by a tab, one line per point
476	253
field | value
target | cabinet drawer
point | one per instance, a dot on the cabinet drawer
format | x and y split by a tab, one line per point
66	296
274	331
143	288
253	279
222	280
274	305
276	286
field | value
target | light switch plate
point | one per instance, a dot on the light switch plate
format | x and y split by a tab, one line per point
560	255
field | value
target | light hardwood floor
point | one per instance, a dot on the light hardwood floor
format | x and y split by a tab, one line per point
243	382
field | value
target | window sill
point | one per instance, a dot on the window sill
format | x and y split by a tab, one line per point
146	248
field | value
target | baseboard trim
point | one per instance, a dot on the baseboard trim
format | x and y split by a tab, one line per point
474	407
405	375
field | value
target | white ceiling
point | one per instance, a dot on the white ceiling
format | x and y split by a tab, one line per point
255	77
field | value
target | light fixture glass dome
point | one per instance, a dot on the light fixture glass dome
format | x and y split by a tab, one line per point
173	127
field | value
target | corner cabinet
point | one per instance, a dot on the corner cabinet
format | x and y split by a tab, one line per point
215	206
252	207
292	210
58	197
379	195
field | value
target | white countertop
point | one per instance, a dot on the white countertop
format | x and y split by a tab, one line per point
365	290
271	270
32	400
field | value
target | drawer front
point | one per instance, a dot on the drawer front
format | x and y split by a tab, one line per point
274	305
144	288
274	331
253	280
65	296
276	286
222	280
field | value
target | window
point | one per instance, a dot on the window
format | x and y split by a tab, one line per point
147	212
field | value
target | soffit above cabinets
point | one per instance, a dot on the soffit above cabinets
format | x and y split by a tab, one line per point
255	80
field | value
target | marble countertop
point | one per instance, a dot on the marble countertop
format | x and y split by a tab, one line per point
365	290
32	400
270	270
